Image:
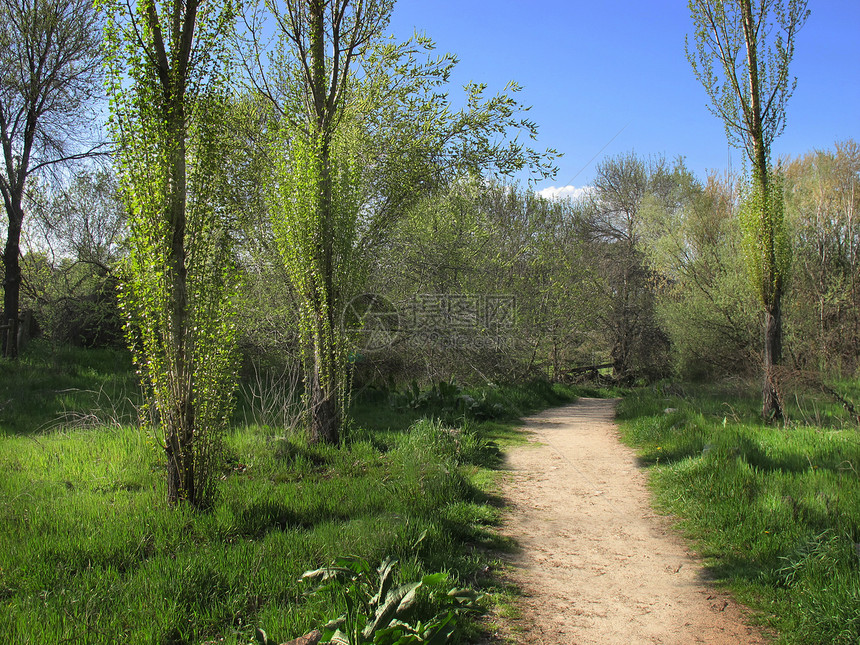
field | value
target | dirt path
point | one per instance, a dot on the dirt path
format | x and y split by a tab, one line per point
596	564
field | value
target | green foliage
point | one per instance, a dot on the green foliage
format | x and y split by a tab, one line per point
90	555
824	300
744	70
446	399
629	192
74	237
361	136
72	302
451	403
317	246
707	305
766	241
753	44
473	242
775	511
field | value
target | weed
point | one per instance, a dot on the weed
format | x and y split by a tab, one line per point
380	613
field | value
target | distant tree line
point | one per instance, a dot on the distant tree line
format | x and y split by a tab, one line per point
645	272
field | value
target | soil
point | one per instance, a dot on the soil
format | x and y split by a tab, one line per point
596	565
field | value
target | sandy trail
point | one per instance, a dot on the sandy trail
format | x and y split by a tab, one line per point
596	564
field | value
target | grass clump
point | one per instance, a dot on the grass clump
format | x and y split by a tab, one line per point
775	510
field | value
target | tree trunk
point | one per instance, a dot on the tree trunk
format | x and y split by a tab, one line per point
325	415
180	426
12	282
325	386
326	380
771	403
621	349
771	407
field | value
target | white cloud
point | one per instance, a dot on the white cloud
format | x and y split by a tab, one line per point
575	193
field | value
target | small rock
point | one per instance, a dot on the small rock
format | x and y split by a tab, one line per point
311	638
670	410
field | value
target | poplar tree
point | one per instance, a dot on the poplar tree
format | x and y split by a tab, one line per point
363	131
167	88
742	55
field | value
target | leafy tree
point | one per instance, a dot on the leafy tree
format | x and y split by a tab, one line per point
364	132
491	281
315	195
166	80
625	187
79	227
539	254
822	203
50	63
753	44
705	305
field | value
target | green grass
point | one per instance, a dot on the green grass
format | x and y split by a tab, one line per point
90	553
774	510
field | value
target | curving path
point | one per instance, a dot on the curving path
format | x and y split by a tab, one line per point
596	564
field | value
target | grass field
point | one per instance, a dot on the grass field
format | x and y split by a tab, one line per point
774	510
89	552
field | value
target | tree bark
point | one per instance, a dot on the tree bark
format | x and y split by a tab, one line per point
179	418
181	425
325	385
325	416
771	403
12	281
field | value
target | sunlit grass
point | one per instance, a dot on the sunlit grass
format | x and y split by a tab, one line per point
89	552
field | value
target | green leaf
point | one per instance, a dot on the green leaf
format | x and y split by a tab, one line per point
397	600
432	579
386	578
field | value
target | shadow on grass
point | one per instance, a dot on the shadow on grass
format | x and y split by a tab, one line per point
50	387
260	518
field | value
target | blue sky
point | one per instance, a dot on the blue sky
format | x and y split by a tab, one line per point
591	68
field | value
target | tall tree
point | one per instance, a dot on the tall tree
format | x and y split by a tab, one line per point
753	44
167	83
50	63
364	131
316	196
623	187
